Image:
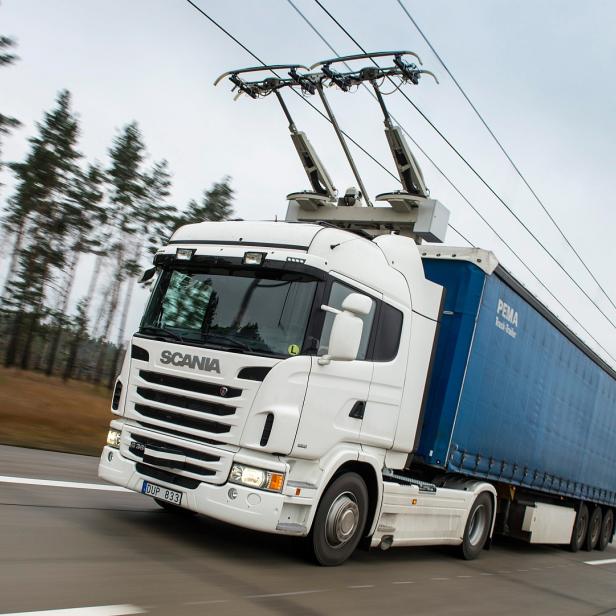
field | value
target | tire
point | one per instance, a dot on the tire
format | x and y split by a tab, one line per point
340	520
579	529
594	529
478	527
175	509
607	529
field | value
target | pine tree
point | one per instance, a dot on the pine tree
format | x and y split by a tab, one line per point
39	214
80	330
216	205
7	58
86	221
156	223
128	190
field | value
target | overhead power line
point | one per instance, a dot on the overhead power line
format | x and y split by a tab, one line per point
504	151
227	33
461	194
260	61
476	173
250	53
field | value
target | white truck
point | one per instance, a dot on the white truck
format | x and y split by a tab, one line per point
279	380
278	415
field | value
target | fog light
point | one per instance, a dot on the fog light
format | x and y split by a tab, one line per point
256	478
113	438
254	258
184	254
232	493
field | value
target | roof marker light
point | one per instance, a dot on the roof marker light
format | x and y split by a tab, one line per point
254	258
184	254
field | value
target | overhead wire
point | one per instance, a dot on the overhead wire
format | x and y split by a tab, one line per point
476	173
233	38
505	152
460	193
260	61
333	50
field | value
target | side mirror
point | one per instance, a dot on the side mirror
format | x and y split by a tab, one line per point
147	275
347	328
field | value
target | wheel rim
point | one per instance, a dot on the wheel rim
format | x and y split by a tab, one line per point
607	527
595	529
342	520
478	524
582	527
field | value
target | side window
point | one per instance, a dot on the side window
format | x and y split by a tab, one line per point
337	295
388	331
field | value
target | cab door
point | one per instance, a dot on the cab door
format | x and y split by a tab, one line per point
389	353
338	391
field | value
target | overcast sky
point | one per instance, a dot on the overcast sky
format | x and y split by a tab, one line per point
540	71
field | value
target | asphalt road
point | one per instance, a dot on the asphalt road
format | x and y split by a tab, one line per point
69	548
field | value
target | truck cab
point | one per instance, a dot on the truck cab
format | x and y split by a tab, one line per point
274	360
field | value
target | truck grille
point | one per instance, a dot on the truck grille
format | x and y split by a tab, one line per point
185	402
169	432
176	420
167	477
174	460
167	380
176	404
181	420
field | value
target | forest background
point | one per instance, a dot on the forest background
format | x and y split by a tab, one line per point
61	344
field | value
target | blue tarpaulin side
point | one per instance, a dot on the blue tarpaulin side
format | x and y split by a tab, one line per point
533	410
463	283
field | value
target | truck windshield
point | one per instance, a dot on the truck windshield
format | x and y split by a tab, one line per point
263	312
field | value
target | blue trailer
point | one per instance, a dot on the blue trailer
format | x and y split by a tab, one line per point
514	396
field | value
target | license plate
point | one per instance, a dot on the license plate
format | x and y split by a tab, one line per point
171	496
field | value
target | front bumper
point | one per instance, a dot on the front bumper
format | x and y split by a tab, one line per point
254	509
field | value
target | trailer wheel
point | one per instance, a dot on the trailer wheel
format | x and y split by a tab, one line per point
607	529
594	529
477	527
340	519
579	528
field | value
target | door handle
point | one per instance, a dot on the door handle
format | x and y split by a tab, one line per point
357	412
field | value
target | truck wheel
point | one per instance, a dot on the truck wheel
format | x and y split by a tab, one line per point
340	519
594	530
607	529
579	528
477	527
170	508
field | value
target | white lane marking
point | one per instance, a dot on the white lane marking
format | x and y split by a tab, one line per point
61	484
282	594
463	576
362	586
207	602
101	610
605	561
404	582
439	579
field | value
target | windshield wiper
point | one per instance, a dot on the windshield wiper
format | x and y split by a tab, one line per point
227	341
161	330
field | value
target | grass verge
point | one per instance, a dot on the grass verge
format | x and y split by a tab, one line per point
46	413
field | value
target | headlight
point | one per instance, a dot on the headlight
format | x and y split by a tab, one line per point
256	478
113	438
